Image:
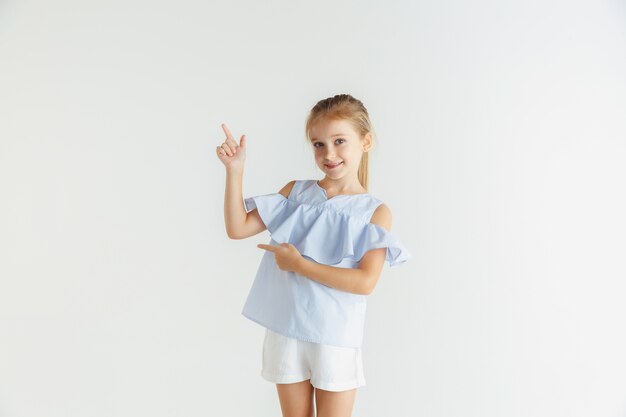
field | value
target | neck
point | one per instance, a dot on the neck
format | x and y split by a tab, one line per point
342	186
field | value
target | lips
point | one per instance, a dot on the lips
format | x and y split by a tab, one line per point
333	166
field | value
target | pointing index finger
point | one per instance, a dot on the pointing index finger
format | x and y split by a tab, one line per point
228	134
266	247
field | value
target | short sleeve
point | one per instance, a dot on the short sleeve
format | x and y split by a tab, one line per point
374	236
273	208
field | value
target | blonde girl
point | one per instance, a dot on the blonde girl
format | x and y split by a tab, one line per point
329	241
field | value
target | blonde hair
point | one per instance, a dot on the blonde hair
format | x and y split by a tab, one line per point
344	107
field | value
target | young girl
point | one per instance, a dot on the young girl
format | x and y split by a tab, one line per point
329	241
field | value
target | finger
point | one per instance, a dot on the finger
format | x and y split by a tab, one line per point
220	151
230	140
232	143
271	248
227	149
232	146
228	134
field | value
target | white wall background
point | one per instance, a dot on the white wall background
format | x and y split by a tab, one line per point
501	149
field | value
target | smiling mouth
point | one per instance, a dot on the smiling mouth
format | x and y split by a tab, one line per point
334	166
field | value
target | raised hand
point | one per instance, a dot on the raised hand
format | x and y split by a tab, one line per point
229	152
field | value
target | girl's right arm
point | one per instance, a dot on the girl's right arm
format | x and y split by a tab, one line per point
239	224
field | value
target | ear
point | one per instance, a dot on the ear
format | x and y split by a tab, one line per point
367	142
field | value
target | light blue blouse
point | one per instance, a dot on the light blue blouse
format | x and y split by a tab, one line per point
334	231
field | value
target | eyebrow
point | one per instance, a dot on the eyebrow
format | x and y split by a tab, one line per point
332	136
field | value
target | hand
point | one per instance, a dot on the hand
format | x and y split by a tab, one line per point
231	153
287	256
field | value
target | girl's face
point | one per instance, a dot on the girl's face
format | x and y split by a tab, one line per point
338	147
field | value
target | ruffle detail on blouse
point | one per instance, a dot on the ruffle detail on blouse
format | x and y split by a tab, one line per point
322	233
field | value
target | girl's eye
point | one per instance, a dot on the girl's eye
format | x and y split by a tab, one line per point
320	143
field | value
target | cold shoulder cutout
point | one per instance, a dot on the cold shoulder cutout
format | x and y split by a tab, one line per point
287	188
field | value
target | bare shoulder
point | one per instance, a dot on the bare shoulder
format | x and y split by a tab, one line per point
287	188
382	216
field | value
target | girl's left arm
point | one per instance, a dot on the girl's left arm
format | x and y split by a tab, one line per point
359	280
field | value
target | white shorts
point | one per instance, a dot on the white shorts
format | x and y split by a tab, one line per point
331	368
